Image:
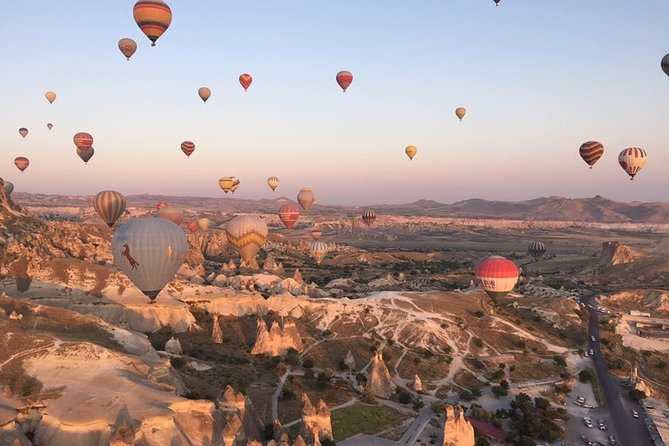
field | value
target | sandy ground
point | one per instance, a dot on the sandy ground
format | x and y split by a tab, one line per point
631	340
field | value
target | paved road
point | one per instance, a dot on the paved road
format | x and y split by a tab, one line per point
417	426
630	431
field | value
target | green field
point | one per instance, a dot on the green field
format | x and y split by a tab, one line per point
364	419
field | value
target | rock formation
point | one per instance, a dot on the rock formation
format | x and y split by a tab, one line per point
383	282
271	266
457	430
349	361
316	422
231	430
417	384
297	277
379	381
278	339
637	383
173	346
615	253
216	332
236	403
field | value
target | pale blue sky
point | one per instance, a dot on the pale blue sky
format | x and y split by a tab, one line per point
537	77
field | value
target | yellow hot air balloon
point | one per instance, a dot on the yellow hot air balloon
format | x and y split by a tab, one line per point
247	234
235	184
460	112
153	17
411	151
306	198
227	183
273	182
127	47
50	96
204	93
204	223
318	250
109	205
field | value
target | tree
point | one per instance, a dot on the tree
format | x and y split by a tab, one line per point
541	403
307	363
585	375
637	395
559	360
499	391
504	384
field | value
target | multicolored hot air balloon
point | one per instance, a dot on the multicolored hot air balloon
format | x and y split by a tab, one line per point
50	96
289	214
127	47
665	64
228	184
411	151
318	250
247	234
235	184
193	227
497	276
369	217
149	251
273	182
460	112
188	148
204	223
86	155
161	205
204	93
83	141
537	250
316	233
632	160
9	187
171	213
153	17
591	152
245	79
21	163
109	205
49	126
344	79
23	131
306	198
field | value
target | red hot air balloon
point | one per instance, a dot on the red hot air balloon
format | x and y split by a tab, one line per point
83	141
188	148
245	79
161	205
21	163
193	227
289	215
344	79
497	276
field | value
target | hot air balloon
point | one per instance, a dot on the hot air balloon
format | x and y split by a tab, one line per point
665	64
591	152
161	205
204	93
411	151
171	213
497	2
109	205
318	250
289	214
83	141
497	276
193	227
21	163
369	217
188	148
273	182
460	112
306	198
127	47
537	250
149	251
316	233
204	223
49	126
23	131
344	79
632	160
247	234
9	187
86	155
245	79
235	184
226	184
50	96
153	17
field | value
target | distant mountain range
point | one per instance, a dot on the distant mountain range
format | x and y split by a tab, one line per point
596	209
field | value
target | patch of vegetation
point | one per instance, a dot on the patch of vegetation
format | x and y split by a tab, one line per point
363	418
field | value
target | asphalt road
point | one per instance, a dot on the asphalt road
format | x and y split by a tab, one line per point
630	431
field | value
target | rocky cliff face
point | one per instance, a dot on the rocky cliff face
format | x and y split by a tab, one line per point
379	381
615	253
457	430
278	339
316	422
236	403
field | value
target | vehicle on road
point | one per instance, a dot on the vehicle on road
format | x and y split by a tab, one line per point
602	426
586	440
588	423
612	440
593	339
592	352
635	414
580	399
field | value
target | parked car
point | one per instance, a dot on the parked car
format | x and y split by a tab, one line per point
593	339
592	352
602	426
635	414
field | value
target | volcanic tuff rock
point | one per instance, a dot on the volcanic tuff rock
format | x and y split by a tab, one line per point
615	253
457	430
379	381
349	361
278	339
231	402
173	346
417	384
216	332
316	421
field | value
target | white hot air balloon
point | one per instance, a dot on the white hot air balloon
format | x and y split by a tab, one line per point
9	187
318	250
149	251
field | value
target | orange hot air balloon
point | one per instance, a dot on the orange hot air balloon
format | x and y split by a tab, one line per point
21	163
83	141
460	112
411	151
289	214
245	79
161	205
153	17
193	227
344	79
204	93
127	47
50	96
23	131
188	148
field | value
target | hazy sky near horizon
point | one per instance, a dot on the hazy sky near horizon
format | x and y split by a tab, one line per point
537	77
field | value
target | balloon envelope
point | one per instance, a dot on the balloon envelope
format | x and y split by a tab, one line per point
50	96
247	234
591	152
411	151
127	47
171	213
161	205
86	155
273	182
306	198
188	148
153	17
149	251
204	223
109	205
193	227
665	64
344	79
23	131
369	217
227	183
9	187
49	126
460	112
537	250
497	276
245	79
318	250
632	160
289	214
21	163
83	141
316	233
204	93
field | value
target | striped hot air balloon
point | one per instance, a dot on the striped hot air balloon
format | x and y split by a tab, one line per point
632	160
109	205
289	214
245	79
83	140
21	163
497	276
247	234
537	250
318	250
411	151
127	47
235	184
369	217
86	155
171	213
591	152
344	79
188	148
153	17
273	182
23	131
306	198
